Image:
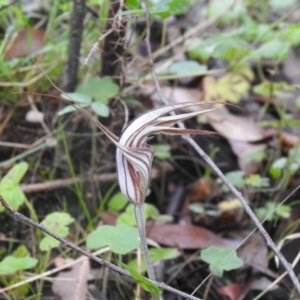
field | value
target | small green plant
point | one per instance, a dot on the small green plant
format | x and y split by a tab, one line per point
95	94
162	151
121	239
12	269
20	260
221	260
273	211
9	186
288	166
56	222
238	179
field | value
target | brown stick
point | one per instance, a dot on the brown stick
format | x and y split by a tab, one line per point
76	30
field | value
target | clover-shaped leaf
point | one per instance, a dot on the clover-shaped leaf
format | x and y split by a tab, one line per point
128	218
18	261
100	89
162	151
117	202
9	186
121	238
231	87
156	255
57	223
11	264
221	260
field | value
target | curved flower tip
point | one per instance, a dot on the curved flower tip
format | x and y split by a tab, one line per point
134	156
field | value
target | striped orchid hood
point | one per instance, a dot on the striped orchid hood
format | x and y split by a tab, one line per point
134	156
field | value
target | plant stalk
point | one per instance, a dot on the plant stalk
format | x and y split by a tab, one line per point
140	221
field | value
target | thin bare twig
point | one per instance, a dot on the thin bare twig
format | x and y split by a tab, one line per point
51	272
208	160
20	217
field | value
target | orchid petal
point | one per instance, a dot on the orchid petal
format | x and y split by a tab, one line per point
134	156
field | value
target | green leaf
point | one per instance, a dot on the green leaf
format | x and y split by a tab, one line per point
184	69
268	88
236	178
197	50
11	264
283	211
236	12
100	109
121	239
270	209
80	99
276	49
4	2
279	4
68	109
15	174
277	167
257	181
77	98
133	4
9	188
292	34
21	251
151	212
156	255
219	46
100	89
232	87
162	151
56	222
144	283
128	217
117	202
165	8
197	208
221	259
228	47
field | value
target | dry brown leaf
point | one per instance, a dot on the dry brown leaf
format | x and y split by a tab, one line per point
254	251
24	43
250	156
187	237
60	261
234	127
289	139
175	95
233	291
72	285
203	188
230	87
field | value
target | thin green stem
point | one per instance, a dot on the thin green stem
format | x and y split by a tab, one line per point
77	187
140	222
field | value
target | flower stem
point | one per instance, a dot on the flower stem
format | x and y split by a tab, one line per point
140	221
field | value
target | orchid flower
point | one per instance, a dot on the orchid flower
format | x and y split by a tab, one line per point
134	156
